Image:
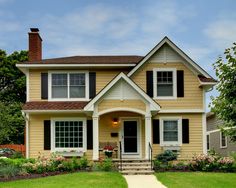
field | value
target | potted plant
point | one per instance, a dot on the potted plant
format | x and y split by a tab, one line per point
108	150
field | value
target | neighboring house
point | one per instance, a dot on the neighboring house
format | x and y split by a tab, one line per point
79	103
216	140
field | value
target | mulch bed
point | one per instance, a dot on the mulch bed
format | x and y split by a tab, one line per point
33	176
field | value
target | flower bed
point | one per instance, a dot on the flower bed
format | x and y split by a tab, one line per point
201	162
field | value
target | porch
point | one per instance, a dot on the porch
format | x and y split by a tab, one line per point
127	133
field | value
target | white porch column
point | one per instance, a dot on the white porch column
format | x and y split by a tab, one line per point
148	135
95	138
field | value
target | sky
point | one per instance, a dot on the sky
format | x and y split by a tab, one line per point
202	28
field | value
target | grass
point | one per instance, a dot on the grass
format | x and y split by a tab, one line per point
81	180
197	179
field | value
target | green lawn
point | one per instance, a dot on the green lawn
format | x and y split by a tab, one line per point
197	179
81	180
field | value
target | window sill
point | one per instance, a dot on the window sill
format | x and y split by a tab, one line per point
165	98
71	154
66	99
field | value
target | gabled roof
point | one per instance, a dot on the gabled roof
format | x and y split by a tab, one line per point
154	105
166	40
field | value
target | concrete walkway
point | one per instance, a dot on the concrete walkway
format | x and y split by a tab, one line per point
143	181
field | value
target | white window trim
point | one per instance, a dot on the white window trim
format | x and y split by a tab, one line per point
221	146
155	70
173	143
68	99
84	148
208	149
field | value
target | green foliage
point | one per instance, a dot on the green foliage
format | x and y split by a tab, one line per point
12	95
11	123
83	162
105	165
17	155
12	80
168	155
224	106
7	171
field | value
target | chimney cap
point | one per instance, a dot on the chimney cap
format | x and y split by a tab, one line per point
34	29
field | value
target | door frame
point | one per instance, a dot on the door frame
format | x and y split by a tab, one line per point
139	137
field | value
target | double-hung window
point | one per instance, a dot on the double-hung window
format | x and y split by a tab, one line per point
223	140
164	83
68	86
171	131
68	134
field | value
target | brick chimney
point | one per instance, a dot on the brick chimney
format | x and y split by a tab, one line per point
35	45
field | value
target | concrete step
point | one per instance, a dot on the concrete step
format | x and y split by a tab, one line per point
136	168
135	172
135	164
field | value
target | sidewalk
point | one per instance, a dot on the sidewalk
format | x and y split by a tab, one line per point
143	181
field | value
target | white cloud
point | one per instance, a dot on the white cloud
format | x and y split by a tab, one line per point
222	33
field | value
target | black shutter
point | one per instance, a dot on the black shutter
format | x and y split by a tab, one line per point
180	83
185	131
89	134
47	134
149	83
44	85
155	131
92	85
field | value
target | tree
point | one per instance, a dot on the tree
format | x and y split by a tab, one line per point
12	80
224	106
12	95
11	123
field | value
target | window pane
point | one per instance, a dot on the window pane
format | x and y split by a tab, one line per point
170	130
77	85
223	140
165	90
59	79
59	91
77	91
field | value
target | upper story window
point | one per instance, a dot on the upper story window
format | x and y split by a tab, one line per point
171	131
164	83
69	86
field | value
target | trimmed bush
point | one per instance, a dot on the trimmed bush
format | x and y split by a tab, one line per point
167	156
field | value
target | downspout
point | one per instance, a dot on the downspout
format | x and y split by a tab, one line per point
26	117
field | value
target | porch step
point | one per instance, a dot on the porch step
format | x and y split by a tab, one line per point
134	172
133	167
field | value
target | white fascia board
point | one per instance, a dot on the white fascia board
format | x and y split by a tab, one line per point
177	49
72	65
182	111
89	106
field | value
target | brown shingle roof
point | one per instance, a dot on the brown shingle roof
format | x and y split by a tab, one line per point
204	79
91	60
44	105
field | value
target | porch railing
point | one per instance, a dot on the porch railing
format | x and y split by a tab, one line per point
120	156
150	154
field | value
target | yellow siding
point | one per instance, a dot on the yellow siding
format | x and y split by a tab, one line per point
195	136
35	85
113	103
193	97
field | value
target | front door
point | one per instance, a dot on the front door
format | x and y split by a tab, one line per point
130	137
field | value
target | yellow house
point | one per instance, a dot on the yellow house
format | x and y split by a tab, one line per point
138	104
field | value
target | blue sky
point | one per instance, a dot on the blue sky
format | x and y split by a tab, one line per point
203	29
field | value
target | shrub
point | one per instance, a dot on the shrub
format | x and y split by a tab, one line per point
7	171
180	166
168	155
83	162
16	155
203	162
105	165
226	164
